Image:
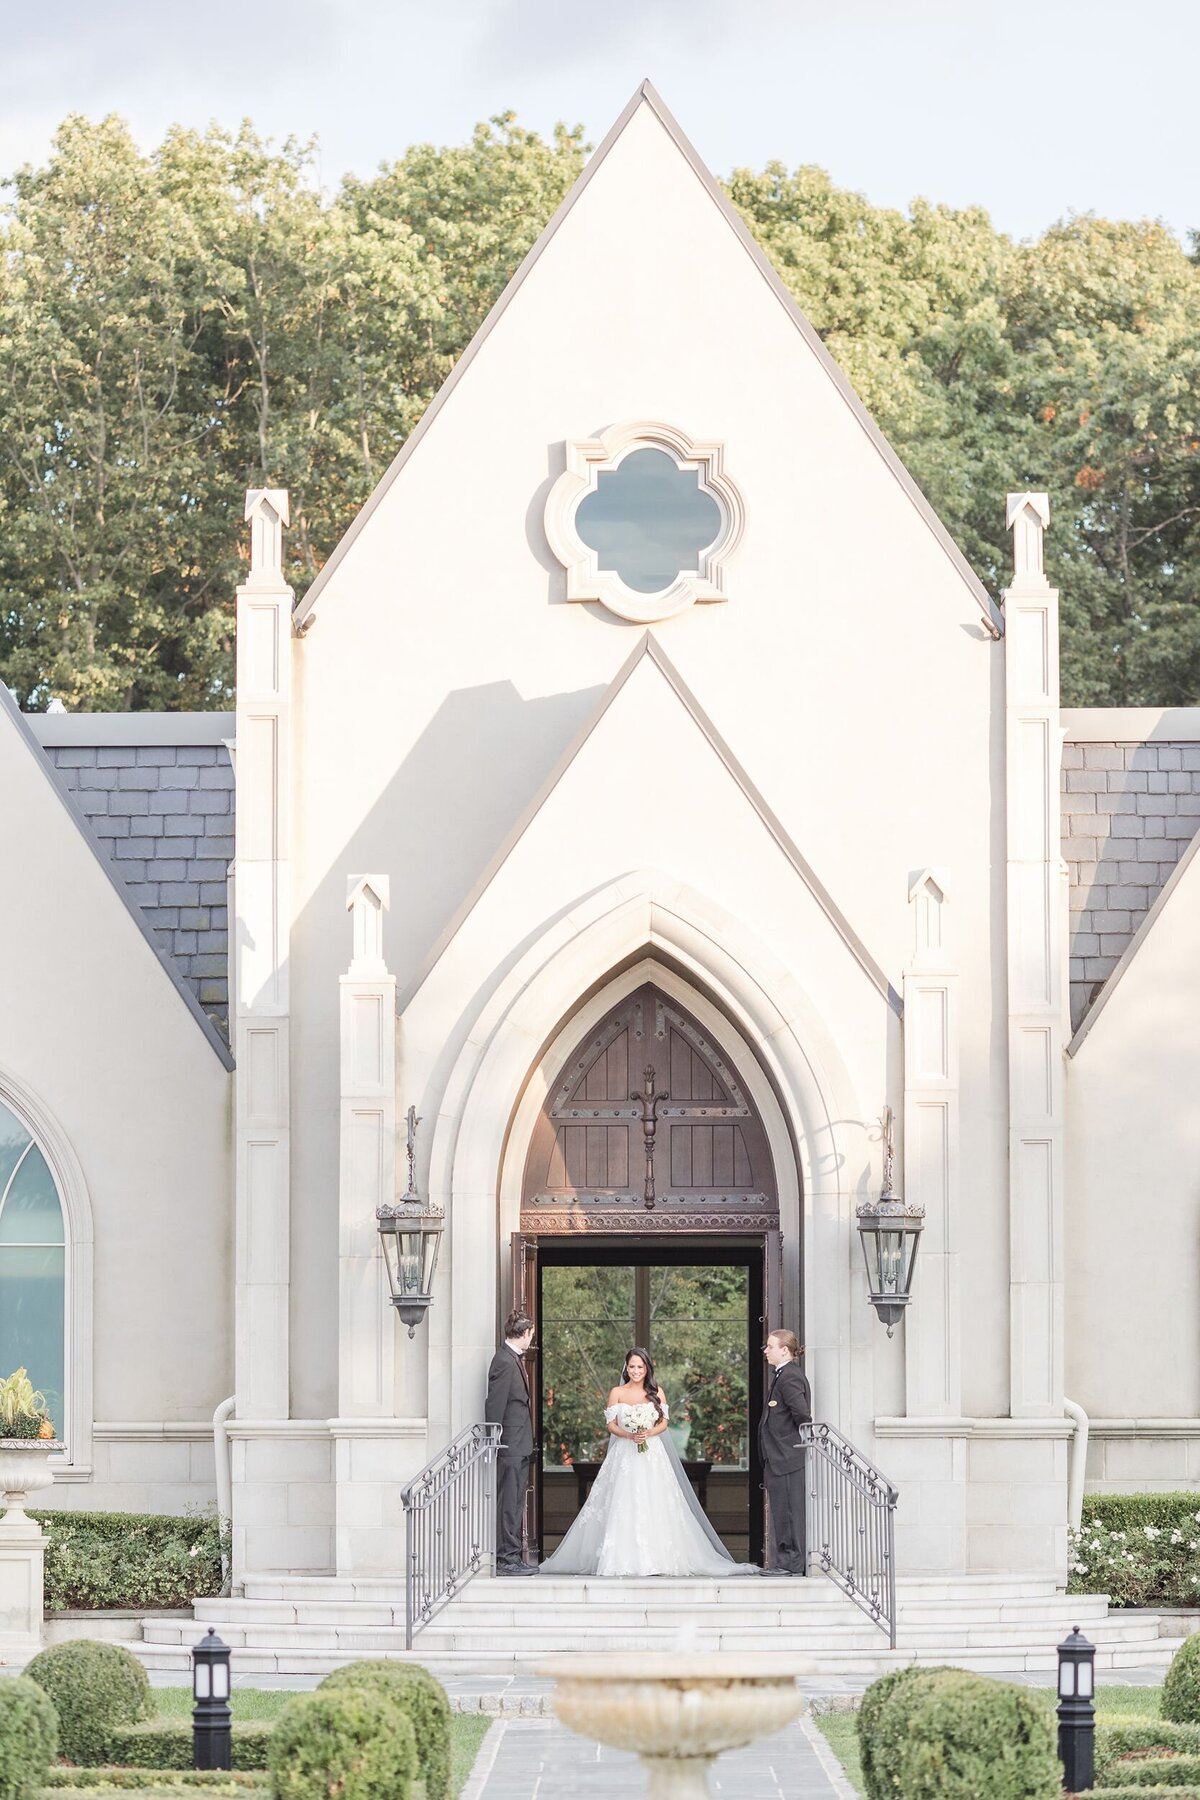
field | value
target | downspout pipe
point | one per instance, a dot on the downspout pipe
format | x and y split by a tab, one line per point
1077	1465
224	1484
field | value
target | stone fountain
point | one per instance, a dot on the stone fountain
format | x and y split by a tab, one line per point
677	1711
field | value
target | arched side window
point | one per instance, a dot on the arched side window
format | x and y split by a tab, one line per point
34	1307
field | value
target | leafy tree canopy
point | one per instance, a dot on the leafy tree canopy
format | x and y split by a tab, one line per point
180	325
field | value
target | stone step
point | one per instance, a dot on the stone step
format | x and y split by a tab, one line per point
863	1664
387	1588
767	1605
719	1629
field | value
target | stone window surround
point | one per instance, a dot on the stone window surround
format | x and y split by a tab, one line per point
587	459
52	1141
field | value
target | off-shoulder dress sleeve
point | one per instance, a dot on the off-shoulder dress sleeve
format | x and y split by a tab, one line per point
610	1413
666	1411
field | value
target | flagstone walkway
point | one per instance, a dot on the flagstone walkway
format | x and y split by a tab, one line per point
537	1759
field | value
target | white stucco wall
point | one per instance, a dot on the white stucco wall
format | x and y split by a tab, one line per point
95	1037
444	674
1133	1206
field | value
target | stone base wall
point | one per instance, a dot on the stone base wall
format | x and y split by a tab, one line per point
1155	1458
978	1500
163	1469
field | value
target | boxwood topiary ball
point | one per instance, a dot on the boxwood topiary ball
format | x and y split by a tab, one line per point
1181	1688
93	1686
28	1737
422	1698
354	1744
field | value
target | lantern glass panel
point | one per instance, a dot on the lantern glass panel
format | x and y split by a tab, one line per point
430	1255
1085	1680
1066	1679
891	1261
409	1250
201	1679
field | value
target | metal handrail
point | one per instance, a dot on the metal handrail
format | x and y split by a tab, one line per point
449	1524
852	1524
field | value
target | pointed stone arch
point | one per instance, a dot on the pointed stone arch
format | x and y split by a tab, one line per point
719	970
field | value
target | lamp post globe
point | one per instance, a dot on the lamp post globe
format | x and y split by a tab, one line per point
212	1719
1076	1711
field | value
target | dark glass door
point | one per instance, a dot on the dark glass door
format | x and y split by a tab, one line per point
699	1314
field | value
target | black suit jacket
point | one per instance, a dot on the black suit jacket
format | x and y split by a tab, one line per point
508	1403
787	1407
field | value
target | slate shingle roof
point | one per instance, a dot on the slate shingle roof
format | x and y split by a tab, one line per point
165	815
1129	811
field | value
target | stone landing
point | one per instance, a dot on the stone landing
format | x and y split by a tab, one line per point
308	1625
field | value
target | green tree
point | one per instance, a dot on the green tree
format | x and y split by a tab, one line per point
177	326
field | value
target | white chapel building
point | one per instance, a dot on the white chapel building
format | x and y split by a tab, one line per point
646	735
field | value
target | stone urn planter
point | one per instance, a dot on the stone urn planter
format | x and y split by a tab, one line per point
678	1712
24	1470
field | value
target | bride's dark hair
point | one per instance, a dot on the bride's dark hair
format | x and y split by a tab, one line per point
650	1385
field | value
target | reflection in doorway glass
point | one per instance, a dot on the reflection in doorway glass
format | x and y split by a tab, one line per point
693	1320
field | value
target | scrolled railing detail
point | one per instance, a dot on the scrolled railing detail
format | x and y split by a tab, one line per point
449	1524
852	1524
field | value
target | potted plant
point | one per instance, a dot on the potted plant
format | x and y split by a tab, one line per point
27	1441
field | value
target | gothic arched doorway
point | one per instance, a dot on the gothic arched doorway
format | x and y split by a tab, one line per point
649	1214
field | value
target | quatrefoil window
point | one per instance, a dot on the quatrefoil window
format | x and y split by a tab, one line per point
648	520
643	519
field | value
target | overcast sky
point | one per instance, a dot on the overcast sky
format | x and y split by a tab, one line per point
1033	109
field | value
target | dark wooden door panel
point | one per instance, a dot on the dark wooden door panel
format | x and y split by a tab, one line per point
649	1124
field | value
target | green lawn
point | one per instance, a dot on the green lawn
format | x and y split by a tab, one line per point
840	1731
246	1703
1112	1704
466	1734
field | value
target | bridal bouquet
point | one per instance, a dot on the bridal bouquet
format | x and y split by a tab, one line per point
641	1418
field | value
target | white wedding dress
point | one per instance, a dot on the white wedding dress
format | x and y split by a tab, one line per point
641	1517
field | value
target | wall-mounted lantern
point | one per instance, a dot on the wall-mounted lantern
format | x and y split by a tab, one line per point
890	1232
410	1233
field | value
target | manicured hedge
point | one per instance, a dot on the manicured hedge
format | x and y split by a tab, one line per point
875	1776
423	1701
105	1775
167	1744
1151	1771
216	1785
1144	1793
95	1687
114	1560
28	1737
353	1744
949	1735
1140	1549
1181	1689
1139	1737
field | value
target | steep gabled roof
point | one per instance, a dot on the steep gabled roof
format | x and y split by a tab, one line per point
64	798
1162	900
646	96
650	647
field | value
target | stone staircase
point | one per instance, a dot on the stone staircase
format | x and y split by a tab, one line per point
307	1625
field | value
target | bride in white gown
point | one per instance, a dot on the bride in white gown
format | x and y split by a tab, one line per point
641	1517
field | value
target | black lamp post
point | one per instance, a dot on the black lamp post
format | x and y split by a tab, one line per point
212	1721
1077	1712
890	1232
410	1235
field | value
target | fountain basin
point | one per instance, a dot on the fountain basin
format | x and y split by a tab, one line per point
677	1712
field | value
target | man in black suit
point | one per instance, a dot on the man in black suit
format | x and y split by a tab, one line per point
787	1411
509	1405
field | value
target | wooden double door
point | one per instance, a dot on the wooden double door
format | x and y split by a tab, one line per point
650	1216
